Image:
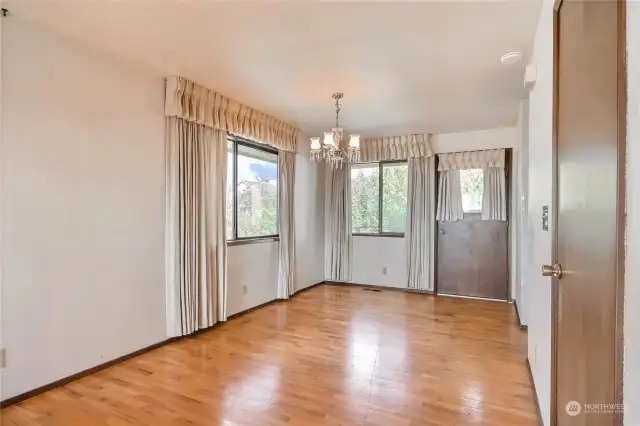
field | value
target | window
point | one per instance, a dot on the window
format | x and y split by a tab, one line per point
379	198
365	198
395	181
472	187
230	190
252	191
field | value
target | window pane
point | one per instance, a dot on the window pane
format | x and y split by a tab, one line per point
394	197
257	192
472	185
365	194
230	192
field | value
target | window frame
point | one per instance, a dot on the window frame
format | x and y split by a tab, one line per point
233	239
381	233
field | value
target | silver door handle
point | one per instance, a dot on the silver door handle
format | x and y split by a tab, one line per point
442	231
552	271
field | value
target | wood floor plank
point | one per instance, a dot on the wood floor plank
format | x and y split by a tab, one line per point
332	356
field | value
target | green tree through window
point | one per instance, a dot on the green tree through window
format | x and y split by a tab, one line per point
472	187
394	197
366	187
365	198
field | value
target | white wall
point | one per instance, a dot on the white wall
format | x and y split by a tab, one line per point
309	212
83	212
372	254
632	282
1	314
503	137
82	208
252	275
538	288
521	211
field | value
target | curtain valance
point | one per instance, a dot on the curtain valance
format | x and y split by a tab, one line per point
395	148
472	160
192	102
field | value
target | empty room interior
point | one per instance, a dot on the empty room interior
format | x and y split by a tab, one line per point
296	213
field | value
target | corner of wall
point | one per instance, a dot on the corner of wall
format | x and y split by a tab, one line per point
538	242
309	218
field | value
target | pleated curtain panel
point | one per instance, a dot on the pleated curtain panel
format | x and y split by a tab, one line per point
449	196
197	123
196	161
419	233
286	223
494	201
338	238
494	198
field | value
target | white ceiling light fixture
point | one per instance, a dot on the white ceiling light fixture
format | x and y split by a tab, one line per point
330	149
511	58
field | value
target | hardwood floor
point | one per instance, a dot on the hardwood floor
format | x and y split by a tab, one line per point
333	355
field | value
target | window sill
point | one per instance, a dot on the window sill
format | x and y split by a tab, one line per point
388	235
244	241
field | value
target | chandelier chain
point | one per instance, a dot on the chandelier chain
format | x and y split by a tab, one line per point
337	97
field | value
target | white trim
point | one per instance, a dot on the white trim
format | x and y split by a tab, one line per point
473	297
2	348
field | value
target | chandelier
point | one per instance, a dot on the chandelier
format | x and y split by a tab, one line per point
330	149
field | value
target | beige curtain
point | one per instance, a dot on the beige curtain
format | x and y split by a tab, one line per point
449	196
338	238
395	148
196	171
192	102
419	234
494	198
494	201
471	159
286	223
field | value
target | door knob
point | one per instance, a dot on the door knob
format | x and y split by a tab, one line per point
552	271
442	231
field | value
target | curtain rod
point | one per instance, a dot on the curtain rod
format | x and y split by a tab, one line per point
474	150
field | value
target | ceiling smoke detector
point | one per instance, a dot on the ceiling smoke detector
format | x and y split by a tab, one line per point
511	58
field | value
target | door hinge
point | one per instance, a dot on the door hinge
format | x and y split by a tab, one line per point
3	358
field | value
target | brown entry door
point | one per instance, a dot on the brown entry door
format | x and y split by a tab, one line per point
589	216
472	258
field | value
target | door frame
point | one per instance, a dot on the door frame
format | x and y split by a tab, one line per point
509	188
621	211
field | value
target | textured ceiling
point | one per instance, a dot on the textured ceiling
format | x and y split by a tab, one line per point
405	67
